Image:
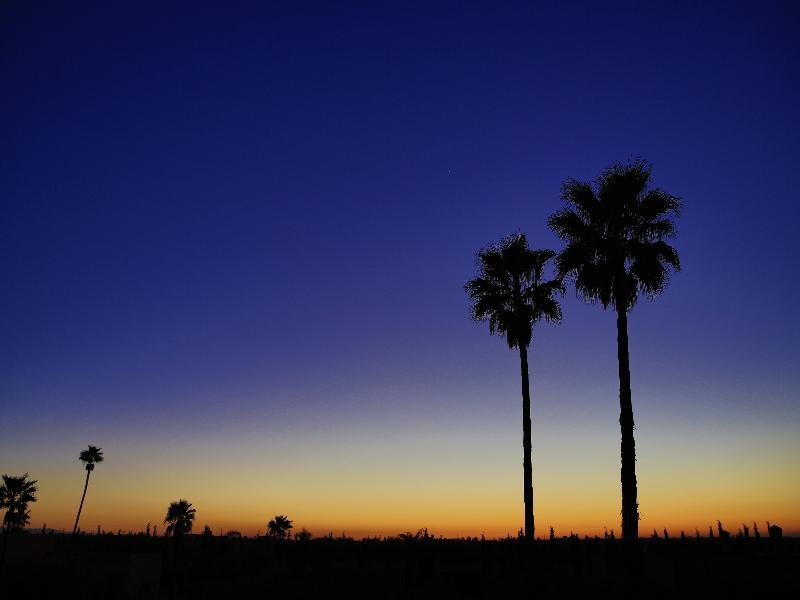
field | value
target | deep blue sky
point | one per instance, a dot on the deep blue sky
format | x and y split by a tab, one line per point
220	216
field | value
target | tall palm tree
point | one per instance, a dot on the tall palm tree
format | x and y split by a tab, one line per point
89	457
615	232
279	527
180	517
511	293
16	493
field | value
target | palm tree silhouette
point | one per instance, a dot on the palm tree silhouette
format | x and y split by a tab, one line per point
15	495
179	519
512	295
89	457
616	250
279	527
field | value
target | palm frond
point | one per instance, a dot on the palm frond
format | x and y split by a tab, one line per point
582	198
91	455
16	493
509	287
656	203
279	526
614	232
180	517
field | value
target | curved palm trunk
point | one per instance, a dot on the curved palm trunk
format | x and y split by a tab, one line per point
630	506
80	508
526	443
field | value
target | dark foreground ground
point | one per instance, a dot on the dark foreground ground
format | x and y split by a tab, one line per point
60	566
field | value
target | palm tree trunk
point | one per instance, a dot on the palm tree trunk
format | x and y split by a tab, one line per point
526	443
630	506
80	508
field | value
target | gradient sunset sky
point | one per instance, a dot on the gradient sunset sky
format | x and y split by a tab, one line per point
234	241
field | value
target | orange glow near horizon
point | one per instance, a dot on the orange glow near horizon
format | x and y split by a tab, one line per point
376	484
494	517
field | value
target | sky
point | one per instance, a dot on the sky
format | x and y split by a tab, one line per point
234	241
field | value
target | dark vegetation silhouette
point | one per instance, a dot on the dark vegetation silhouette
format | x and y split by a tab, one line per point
512	293
89	457
180	518
406	565
723	535
775	532
16	494
616	231
279	527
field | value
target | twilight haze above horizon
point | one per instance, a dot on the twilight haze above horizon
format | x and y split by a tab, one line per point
234	246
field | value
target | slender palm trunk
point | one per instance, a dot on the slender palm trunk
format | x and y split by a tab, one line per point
526	443
630	506
80	508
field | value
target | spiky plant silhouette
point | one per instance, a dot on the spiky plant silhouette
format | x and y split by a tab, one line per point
279	527
512	294
89	457
180	518
615	232
16	493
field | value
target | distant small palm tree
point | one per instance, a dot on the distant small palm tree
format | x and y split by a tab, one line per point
279	527
89	457
16	493
615	232
512	294
179	519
